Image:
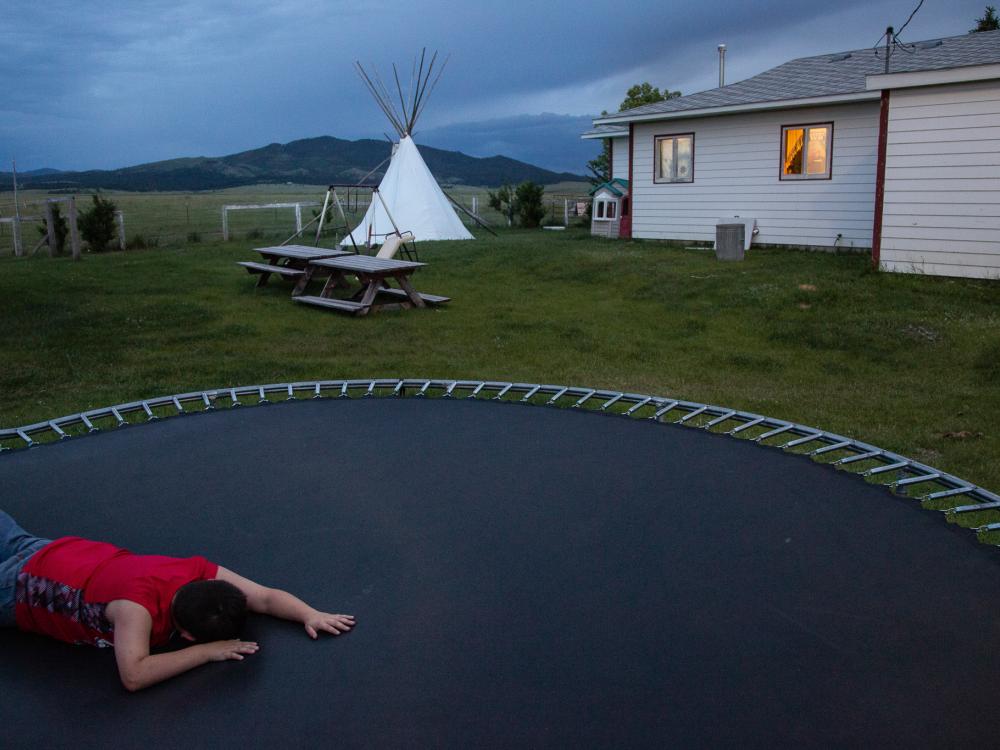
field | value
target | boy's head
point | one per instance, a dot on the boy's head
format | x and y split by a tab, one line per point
209	610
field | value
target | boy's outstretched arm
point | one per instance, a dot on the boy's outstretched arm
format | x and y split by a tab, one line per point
278	603
139	669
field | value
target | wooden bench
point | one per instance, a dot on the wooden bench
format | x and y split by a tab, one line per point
254	267
337	304
431	299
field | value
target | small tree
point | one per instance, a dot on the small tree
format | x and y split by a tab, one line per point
530	209
645	93
600	165
989	22
504	201
97	225
59	228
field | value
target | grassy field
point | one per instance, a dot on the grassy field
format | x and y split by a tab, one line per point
909	363
174	218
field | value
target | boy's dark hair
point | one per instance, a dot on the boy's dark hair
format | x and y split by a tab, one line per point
210	610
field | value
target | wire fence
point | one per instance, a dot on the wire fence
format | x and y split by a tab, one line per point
170	219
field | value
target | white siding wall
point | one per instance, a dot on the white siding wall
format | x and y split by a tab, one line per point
619	158
736	164
942	181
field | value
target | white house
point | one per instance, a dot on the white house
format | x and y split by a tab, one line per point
830	152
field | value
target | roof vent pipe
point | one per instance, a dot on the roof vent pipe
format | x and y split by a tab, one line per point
722	65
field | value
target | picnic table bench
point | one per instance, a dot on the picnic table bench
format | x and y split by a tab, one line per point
288	261
376	293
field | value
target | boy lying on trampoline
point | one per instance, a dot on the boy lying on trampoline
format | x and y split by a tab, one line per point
94	593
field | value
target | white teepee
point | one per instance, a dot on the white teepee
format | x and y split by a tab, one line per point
414	201
408	199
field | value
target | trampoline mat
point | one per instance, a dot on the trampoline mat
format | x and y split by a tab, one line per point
521	576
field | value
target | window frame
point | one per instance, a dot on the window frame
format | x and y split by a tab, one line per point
611	210
804	126
599	209
656	158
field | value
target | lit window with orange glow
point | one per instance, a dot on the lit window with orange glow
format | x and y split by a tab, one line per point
806	151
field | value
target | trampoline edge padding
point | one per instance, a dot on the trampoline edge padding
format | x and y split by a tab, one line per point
938	485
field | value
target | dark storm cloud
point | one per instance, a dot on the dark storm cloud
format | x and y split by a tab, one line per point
104	84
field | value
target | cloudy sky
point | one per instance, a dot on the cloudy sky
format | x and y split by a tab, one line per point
109	84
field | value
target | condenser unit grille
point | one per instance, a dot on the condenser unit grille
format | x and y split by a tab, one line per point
729	240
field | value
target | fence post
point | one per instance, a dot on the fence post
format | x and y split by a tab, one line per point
475	205
225	225
50	228
566	212
298	218
15	227
120	221
74	230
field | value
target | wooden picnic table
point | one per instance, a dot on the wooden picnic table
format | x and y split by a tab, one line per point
289	261
374	274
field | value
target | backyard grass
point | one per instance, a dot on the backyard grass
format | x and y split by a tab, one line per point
909	363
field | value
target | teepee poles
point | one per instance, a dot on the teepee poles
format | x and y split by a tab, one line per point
382	102
423	79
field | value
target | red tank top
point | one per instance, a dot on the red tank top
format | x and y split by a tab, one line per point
64	589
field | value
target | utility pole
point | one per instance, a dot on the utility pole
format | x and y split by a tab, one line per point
18	251
888	46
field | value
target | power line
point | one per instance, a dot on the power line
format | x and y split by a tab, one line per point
910	18
892	40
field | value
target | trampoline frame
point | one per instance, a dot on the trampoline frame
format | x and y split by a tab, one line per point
860	458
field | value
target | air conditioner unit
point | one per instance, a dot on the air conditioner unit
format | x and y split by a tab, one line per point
729	241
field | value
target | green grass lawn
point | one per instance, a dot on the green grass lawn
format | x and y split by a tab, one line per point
909	363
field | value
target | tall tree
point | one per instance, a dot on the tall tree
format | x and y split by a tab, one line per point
989	22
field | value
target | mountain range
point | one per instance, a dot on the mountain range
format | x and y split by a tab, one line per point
314	161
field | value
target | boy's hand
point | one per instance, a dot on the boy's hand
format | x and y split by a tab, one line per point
224	650
333	624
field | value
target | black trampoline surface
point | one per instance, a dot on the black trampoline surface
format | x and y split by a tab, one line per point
521	577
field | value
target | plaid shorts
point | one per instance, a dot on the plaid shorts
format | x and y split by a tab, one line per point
16	546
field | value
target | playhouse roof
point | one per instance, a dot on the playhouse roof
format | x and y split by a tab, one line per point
617	187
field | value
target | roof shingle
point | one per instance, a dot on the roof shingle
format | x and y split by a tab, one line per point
832	74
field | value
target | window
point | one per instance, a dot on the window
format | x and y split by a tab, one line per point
600	209
805	151
674	156
611	209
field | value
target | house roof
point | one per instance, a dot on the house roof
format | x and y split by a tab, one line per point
617	186
841	74
607	131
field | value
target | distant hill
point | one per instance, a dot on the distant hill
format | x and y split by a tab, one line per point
314	161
